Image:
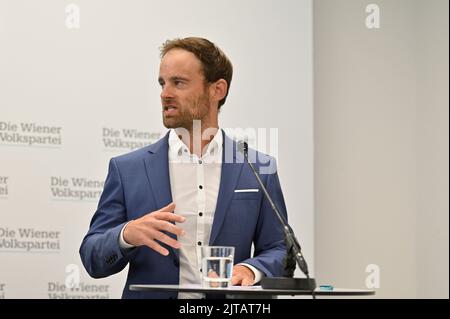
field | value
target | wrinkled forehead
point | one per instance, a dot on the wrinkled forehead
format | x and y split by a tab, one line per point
181	62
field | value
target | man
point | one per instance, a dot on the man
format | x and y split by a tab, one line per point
162	203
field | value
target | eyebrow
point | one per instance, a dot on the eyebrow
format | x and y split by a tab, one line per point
173	79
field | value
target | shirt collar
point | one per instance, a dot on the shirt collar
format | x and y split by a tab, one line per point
213	149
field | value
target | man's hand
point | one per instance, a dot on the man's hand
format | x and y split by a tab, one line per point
243	276
148	229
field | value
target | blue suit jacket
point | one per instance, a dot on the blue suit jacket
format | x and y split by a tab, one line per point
138	183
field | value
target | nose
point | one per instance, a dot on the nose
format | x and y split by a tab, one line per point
166	92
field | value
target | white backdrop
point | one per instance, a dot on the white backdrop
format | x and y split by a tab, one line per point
63	91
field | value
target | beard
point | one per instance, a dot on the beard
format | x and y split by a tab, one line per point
196	109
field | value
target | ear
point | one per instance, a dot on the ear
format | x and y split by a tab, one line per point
218	90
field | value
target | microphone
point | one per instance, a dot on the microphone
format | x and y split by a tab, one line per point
293	250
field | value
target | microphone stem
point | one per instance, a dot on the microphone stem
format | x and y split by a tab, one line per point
288	232
272	204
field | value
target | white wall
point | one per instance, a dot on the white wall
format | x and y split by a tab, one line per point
432	149
381	146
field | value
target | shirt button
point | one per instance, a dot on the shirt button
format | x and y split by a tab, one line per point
200	214
199	243
200	161
200	186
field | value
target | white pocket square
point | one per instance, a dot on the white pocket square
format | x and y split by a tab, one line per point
247	190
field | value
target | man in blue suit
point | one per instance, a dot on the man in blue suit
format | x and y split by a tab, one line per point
162	203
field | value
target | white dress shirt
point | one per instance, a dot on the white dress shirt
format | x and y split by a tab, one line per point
195	186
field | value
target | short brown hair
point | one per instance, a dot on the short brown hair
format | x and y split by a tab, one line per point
214	62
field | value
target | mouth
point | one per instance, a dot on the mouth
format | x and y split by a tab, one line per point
169	110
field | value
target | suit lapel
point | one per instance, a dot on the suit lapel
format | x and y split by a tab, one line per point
157	169
228	181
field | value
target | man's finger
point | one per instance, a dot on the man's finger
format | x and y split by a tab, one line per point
236	280
168	208
171	217
247	282
169	227
166	239
157	247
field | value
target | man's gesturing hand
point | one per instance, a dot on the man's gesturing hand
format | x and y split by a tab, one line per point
148	229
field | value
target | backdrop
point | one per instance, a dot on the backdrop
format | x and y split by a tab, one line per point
78	85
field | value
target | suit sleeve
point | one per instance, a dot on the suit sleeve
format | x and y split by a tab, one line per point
100	250
270	248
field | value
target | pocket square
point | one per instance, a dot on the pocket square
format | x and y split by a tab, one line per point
247	190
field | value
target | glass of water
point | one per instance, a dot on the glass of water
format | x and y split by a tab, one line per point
217	266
